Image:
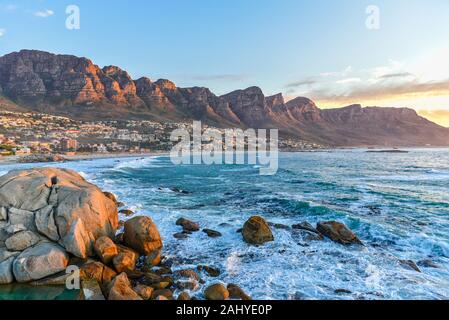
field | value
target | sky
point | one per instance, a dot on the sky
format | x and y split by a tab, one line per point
390	53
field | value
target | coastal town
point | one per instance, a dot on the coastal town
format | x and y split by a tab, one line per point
24	134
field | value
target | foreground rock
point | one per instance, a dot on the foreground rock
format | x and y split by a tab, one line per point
38	262
256	231
105	249
6	274
216	292
120	289
61	205
235	292
338	232
21	241
142	235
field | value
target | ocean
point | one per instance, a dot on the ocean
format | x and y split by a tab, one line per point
398	205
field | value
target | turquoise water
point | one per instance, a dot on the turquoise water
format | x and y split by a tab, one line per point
398	204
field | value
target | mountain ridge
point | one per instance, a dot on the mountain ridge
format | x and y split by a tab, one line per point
74	86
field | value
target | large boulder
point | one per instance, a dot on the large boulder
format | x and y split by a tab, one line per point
61	205
40	261
142	235
257	231
338	232
216	292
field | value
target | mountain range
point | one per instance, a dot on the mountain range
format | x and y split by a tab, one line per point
72	86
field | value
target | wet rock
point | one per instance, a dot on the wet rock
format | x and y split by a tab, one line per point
119	238
279	226
256	231
212	233
21	241
177	190
6	273
183	296
190	285
188	225
166	293
342	291
160	285
127	212
188	273
338	232
216	292
144	291
142	235
105	249
160	298
305	226
40	261
91	290
235	292
120	289
427	264
153	259
126	259
151	279
181	236
409	264
211	271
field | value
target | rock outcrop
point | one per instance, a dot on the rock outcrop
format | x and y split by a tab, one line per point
60	205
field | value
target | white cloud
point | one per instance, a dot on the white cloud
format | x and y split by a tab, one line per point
2	32
44	13
349	80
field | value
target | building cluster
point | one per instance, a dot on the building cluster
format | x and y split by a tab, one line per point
26	133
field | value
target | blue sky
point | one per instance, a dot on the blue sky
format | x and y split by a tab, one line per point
321	49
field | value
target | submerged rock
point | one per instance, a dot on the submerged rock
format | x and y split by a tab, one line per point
127	212
211	271
212	233
256	231
145	292
409	264
338	232
428	264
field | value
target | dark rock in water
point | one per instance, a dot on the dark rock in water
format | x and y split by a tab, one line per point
409	264
120	204
126	212
338	291
225	225
373	210
427	264
188	225
239	230
305	226
338	232
235	292
212	233
180	235
177	190
257	231
188	274
278	226
211	271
